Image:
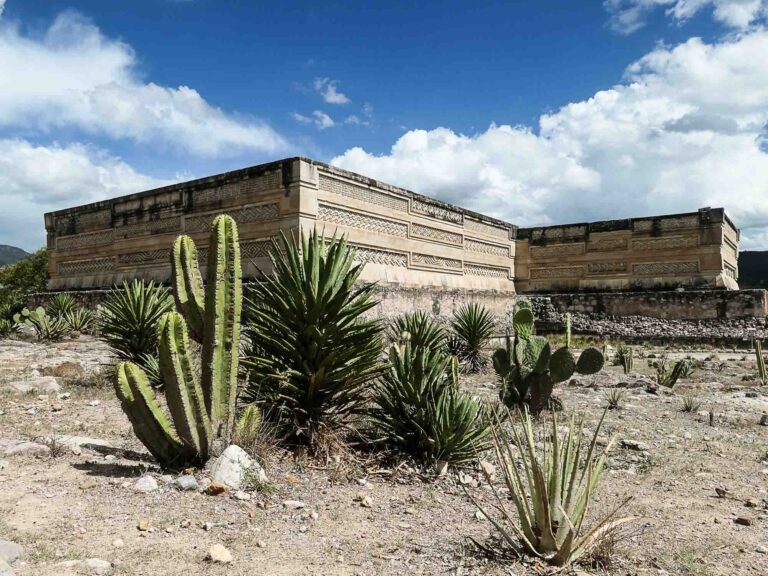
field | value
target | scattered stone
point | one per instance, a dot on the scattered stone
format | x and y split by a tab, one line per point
752	503
314	515
240	495
635	445
10	551
294	504
118	543
465	479
22	447
764	420
94	403
744	520
57	407
233	464
479	516
5	569
441	467
487	468
261	544
216	488
166	479
67	370
143	525
145	484
41	385
761	550
3	464
186	523
721	491
95	566
186	483
219	554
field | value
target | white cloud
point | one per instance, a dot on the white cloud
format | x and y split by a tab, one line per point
626	16
36	179
327	89
2	6
684	131
74	76
319	119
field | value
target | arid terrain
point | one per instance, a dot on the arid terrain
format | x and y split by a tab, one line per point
698	481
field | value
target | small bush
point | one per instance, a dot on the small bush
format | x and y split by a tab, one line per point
472	327
420	410
423	331
22	278
690	404
312	354
614	397
129	318
551	491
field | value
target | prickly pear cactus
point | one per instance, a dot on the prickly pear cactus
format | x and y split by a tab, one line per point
201	409
529	369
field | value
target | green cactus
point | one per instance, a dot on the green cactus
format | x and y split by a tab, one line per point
528	368
567	329
761	373
666	377
624	357
201	410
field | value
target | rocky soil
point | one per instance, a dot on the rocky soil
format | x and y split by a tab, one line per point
79	496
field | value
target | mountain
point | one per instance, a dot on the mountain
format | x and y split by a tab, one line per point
753	269
11	254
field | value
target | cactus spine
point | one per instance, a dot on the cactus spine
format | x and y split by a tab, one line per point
201	410
528	368
761	373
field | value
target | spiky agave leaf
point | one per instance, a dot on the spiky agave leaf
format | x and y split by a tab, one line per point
423	330
551	491
420	409
473	324
60	305
316	353
129	318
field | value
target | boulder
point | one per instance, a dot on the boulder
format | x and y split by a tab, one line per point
233	465
67	370
41	385
22	447
10	551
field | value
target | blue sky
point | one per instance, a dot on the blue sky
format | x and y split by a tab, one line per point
536	112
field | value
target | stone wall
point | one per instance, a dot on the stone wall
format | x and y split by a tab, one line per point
405	239
689	305
693	250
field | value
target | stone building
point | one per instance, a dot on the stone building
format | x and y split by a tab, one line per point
408	241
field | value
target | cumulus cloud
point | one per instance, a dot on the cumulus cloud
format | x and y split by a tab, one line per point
327	89
626	16
684	130
74	76
36	179
319	119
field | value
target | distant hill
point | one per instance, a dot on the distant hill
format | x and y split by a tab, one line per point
753	269
11	254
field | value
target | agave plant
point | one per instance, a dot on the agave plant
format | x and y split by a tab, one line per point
9	328
130	316
473	327
315	354
668	377
79	319
624	357
423	331
551	484
61	305
420	409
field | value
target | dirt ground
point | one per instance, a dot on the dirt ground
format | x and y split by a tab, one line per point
80	504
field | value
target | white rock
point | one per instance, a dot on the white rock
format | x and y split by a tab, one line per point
219	554
95	566
10	551
232	465
20	447
294	504
78	442
5	569
186	482
41	385
145	484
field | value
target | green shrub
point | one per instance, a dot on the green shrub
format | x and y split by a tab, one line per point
419	408
472	327
61	305
313	354
551	491
129	318
80	319
423	331
22	278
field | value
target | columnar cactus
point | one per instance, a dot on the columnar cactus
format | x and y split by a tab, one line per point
529	369
201	410
761	372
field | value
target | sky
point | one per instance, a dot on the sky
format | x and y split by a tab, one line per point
537	112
